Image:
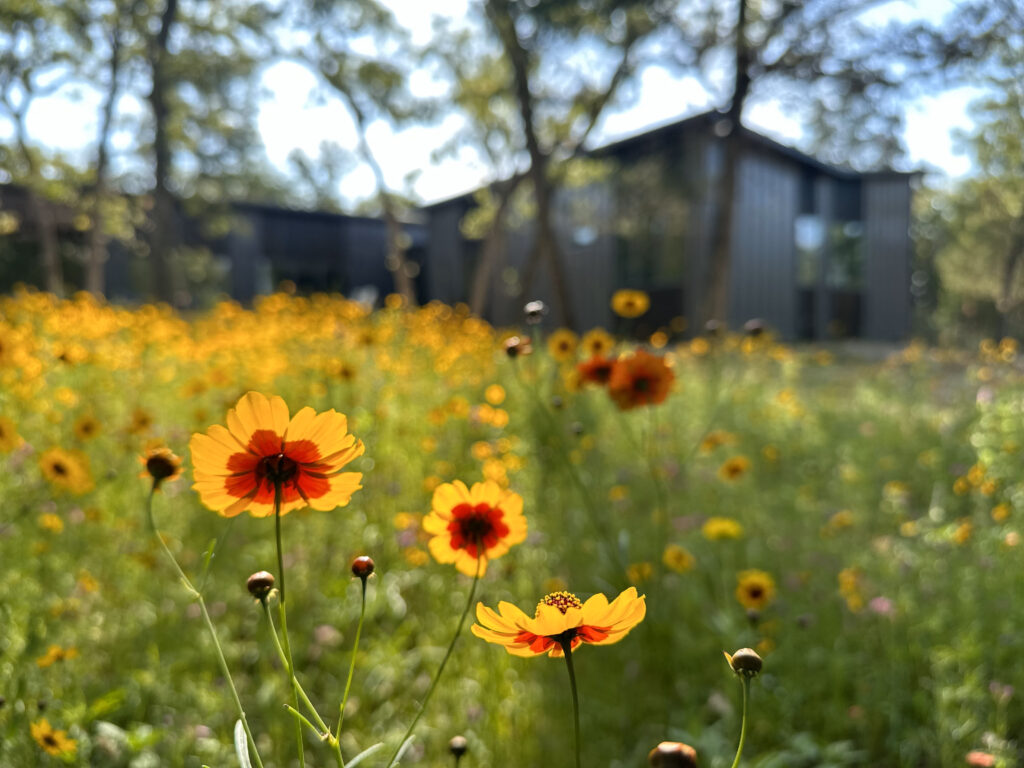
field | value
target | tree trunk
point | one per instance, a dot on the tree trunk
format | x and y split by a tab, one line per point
716	299
545	246
94	282
162	224
493	250
49	244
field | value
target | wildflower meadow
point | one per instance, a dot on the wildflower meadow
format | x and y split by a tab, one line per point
310	534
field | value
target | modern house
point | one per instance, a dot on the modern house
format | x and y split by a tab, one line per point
817	251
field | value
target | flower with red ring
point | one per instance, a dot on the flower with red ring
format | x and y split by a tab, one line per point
470	524
239	467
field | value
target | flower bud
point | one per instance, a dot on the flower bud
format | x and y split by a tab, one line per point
516	346
713	327
673	754
458	746
754	327
745	662
535	311
362	567
260	584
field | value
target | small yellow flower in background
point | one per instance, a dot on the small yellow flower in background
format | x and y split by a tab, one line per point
700	346
734	468
495	394
841	519
431	482
755	589
637	573
597	342
87	583
236	467
1012	539
55	743
770	453
141	422
961	486
677	559
67	470
720	528
562	344
481	450
86	427
65	396
988	488
1000	512
715	439
51	522
415	556
54	654
908	528
963	532
428	445
403	520
850	587
560	617
496	471
976	474
9	437
628	303
659	339
618	492
470	525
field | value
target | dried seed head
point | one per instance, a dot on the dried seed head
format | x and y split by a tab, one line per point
362	567
673	754
260	584
535	311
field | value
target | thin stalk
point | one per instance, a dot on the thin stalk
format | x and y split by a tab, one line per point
209	626
284	619
284	661
352	664
567	652
743	726
444	661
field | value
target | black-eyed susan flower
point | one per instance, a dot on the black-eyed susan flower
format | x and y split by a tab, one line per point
629	303
597	342
562	344
53	742
678	559
86	427
734	468
755	589
67	470
560	618
238	467
639	379
470	523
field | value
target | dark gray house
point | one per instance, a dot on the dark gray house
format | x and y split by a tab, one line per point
817	251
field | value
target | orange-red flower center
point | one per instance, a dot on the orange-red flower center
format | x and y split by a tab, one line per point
270	460
475	526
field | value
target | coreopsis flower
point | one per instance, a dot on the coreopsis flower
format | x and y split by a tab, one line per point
67	470
755	589
719	528
596	370
639	379
628	303
86	427
560	617
677	559
54	654
160	465
238	467
471	524
55	743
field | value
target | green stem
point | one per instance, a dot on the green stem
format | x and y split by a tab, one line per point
302	719
444	661
352	664
567	652
743	726
209	626
284	619
284	662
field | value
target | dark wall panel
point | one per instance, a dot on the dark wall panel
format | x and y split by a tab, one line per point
886	213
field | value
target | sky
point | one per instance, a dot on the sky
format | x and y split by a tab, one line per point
289	118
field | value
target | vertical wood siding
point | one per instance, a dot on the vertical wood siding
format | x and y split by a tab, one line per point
886	212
